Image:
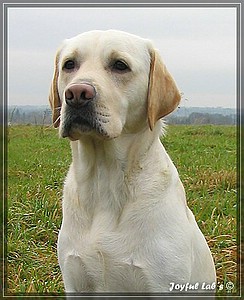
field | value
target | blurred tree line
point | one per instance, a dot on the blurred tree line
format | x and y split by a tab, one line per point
43	116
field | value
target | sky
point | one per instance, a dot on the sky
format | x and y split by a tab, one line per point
198	46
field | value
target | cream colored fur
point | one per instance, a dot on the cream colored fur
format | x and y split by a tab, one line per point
126	224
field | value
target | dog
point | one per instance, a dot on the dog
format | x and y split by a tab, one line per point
126	225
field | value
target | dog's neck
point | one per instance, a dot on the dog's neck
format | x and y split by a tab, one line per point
122	152
107	170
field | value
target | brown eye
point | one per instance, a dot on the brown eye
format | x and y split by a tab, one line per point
120	66
69	65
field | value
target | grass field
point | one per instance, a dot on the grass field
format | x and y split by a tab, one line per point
38	161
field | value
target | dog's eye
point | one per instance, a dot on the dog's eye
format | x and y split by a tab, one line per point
120	66
69	65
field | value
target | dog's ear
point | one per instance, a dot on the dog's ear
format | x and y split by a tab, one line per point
163	94
54	98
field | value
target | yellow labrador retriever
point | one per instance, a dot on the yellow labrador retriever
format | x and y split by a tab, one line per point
126	224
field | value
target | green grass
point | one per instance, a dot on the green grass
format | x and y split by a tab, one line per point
38	161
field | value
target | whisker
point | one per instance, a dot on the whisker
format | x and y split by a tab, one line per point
58	119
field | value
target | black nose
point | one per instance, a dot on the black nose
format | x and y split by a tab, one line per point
79	94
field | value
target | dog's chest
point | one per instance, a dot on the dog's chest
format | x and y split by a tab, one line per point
102	233
105	259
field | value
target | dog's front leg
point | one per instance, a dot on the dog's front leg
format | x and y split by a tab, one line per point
76	279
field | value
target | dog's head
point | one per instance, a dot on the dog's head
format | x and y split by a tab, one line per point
109	82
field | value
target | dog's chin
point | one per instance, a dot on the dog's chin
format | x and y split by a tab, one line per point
76	131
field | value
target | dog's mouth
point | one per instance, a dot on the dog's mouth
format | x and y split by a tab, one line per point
78	122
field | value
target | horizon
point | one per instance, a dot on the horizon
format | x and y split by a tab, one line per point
47	105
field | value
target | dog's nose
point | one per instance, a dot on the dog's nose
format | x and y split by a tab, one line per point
79	94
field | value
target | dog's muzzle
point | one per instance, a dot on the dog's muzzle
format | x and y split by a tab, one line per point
81	115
